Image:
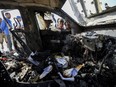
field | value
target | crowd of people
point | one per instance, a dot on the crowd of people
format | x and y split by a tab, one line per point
63	25
5	25
48	21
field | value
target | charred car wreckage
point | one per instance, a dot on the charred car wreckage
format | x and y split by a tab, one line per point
87	60
66	60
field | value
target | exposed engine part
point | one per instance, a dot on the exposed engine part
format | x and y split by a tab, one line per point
93	41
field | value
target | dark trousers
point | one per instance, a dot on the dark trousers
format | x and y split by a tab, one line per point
9	42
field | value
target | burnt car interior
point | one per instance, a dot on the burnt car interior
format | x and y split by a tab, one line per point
47	57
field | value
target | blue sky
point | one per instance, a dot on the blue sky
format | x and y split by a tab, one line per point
110	2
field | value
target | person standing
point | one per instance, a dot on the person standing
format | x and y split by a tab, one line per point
5	28
20	23
67	25
60	24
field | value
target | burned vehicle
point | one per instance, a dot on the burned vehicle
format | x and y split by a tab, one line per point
79	57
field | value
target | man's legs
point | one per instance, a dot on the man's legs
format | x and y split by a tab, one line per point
1	40
9	43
